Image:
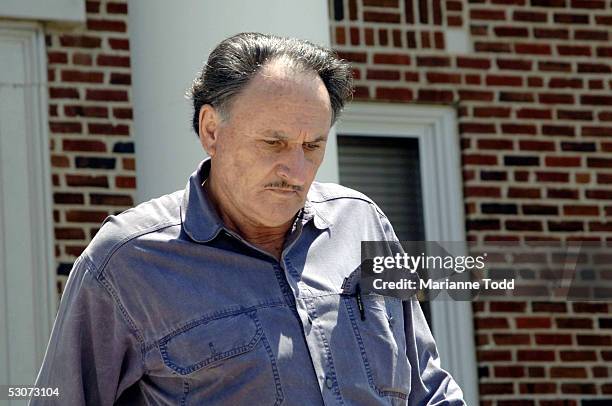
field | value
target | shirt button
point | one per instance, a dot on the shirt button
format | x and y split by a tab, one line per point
329	382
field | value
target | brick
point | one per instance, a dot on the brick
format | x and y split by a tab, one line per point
533	49
507	371
591	35
113	60
571	18
533	322
117	8
486	14
498	208
503	112
551	33
493	175
549	307
69	233
552	177
575	115
87	180
68	198
577	356
558	130
511	339
542	114
583	210
553	339
482	191
529	193
396	94
92	7
604	178
504	80
534	145
589	4
507	307
479	159
63	93
122	44
535	355
578	388
120	78
65	127
358	57
589	131
79	58
521	160
85	216
476	128
564	82
539	209
482	224
529	16
381	17
433	61
563	161
122	113
496	388
565	226
108	129
473	63
511	31
578	146
392	59
568	50
594	340
599	162
125	182
80	41
82	76
106	25
514	64
440	77
494	355
556	98
435	96
550	66
58	161
594	68
562	193
111	199
475	95
85	111
106	95
57	57
500	47
95	162
83	145
382	74
599	226
520	97
538	387
523	225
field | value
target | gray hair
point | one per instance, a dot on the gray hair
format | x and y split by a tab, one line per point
236	60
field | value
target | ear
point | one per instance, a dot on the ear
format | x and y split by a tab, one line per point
209	121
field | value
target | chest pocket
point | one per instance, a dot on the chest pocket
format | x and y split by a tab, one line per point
382	345
221	353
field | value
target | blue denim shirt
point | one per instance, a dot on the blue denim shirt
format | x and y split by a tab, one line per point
167	306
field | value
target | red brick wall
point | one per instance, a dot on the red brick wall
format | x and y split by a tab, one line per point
90	122
534	103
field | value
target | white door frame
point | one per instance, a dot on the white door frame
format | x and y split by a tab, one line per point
436	130
27	264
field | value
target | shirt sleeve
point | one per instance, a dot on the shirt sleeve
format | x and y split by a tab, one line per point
430	384
94	353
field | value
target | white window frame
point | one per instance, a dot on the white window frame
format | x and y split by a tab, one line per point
435	128
26	319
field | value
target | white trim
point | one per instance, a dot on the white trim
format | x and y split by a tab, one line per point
436	130
31	298
64	11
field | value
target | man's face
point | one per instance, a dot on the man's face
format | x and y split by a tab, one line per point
266	154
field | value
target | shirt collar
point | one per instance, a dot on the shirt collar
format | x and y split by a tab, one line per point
200	219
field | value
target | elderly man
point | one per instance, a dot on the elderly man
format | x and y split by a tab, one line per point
243	289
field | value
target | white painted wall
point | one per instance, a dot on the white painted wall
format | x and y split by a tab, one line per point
169	43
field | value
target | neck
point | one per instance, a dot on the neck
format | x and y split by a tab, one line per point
270	239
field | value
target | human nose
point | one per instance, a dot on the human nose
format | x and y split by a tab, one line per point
294	167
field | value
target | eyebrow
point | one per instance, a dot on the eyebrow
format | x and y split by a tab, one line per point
279	135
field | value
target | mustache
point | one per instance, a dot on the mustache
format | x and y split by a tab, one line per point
284	185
